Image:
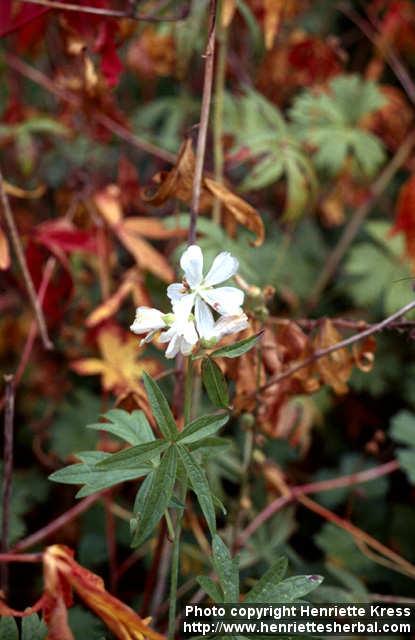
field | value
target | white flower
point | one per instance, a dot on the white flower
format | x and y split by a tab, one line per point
181	334
200	292
226	325
149	321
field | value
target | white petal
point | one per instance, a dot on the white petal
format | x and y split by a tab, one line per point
227	325
224	267
204	318
175	291
189	333
147	319
166	336
174	346
186	347
192	264
225	300
183	308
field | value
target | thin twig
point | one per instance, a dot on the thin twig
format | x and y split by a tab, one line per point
321	353
59	522
14	235
111	13
21	557
7	476
315	487
401	565
220	78
204	122
388	52
358	217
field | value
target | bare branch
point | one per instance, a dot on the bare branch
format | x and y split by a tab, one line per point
204	122
14	235
321	353
111	13
7	476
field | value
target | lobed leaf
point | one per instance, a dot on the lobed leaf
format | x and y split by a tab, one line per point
202	427
200	486
227	570
237	348
160	407
158	496
133	427
215	383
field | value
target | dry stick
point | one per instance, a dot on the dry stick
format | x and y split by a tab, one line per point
357	219
405	566
58	523
204	122
111	13
111	125
7	476
315	487
14	235
389	54
321	353
17	557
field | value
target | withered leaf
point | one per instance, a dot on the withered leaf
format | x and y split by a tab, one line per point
364	354
178	183
335	368
4	251
132	231
119	366
132	283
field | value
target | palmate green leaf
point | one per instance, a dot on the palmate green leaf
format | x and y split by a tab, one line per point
210	587
227	570
266	585
134	456
237	348
403	427
133	427
202	427
406	458
330	122
68	433
157	497
214	383
258	125
200	486
8	628
33	628
377	272
160	407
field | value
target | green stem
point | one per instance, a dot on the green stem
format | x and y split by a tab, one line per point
220	76
175	559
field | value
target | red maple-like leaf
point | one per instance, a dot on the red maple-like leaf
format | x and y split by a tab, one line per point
405	216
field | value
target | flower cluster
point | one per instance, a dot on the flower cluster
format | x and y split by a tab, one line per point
192	302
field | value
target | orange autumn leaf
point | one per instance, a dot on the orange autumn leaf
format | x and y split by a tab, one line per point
18	192
132	284
119	366
228	11
62	574
275	11
335	368
178	183
132	232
